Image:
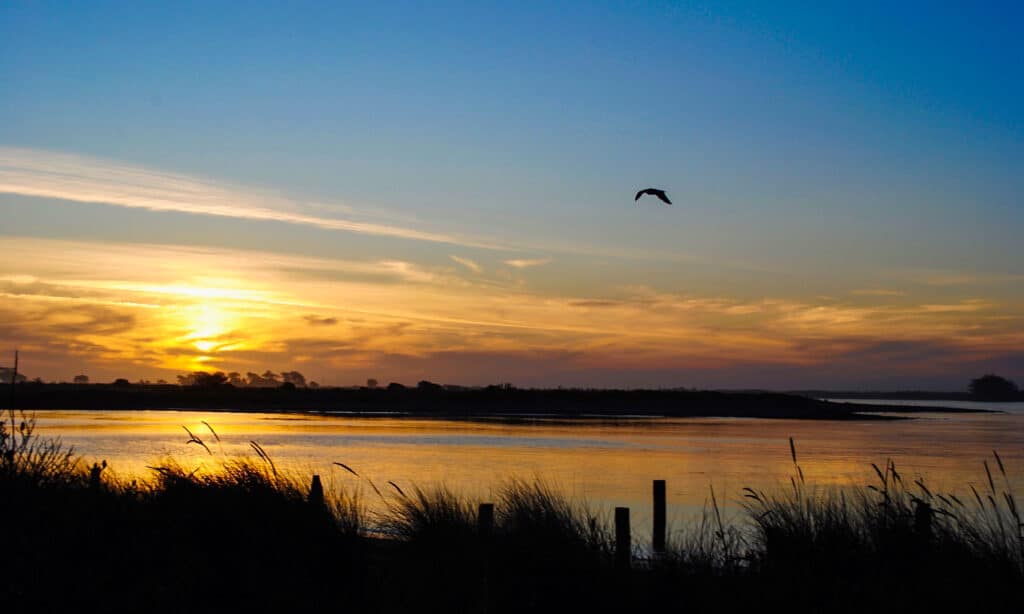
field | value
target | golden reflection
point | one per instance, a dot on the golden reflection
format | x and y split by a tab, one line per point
605	463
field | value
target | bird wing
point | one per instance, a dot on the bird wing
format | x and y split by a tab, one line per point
639	194
661	194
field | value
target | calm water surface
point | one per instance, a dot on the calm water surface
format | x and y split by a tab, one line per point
605	463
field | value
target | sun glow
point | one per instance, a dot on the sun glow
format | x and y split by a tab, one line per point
208	320
205	346
248	310
210	327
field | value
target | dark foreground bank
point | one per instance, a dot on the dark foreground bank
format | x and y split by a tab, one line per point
434	400
248	538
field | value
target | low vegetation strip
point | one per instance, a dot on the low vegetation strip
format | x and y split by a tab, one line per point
248	536
429	399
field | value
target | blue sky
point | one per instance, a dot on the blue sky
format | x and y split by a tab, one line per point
811	150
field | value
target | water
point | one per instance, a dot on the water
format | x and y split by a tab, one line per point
606	463
1014	407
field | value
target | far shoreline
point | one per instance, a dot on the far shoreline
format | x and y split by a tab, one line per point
434	401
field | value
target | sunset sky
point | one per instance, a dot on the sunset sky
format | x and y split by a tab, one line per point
444	191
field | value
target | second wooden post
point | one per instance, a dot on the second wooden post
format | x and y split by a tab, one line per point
623	542
658	539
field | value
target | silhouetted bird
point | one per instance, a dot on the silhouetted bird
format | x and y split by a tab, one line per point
653	192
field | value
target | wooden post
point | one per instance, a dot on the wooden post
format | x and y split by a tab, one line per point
623	545
658	539
485	520
485	527
316	491
923	514
94	476
14	381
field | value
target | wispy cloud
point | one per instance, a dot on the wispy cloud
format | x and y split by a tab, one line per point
39	173
939	277
523	263
469	264
201	273
878	292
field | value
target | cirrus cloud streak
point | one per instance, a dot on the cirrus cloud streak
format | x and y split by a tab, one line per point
39	173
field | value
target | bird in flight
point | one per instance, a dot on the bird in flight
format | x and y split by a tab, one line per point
653	192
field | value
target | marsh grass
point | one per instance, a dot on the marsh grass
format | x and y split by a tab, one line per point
543	549
896	542
889	518
536	510
435	515
550	549
30	461
212	536
710	544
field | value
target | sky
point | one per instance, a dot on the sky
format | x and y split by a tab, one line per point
444	191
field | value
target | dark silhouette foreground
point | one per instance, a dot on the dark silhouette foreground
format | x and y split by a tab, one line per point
244	537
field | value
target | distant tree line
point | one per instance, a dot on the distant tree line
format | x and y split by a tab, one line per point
267	379
7	373
989	387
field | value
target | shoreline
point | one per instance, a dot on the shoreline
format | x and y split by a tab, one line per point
502	403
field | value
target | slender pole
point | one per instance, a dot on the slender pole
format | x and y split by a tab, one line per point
14	380
658	539
485	520
316	491
485	528
623	546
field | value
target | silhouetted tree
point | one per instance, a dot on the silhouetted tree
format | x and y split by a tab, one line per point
425	385
394	386
5	376
122	382
217	378
993	387
267	380
203	379
371	383
287	386
235	379
295	378
81	379
314	385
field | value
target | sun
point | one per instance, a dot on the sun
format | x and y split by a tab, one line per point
205	345
209	324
